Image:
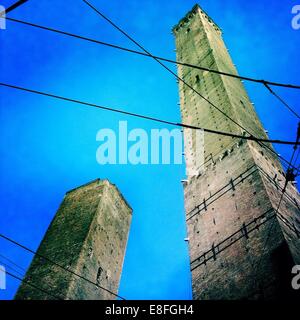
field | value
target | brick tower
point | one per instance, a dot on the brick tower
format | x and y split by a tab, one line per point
88	236
239	247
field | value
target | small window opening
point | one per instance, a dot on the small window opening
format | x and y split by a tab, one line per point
99	275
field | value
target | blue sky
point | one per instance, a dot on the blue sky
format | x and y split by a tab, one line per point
49	146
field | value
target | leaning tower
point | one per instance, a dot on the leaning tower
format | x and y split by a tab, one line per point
241	246
81	256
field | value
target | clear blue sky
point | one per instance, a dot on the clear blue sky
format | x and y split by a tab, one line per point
49	147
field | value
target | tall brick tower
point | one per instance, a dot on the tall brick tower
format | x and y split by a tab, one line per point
88	236
239	247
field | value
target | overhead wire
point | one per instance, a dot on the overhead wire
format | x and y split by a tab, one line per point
58	265
183	125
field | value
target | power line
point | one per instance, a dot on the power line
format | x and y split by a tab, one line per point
296	160
291	167
271	83
276	184
12	7
295	147
13	263
137	115
282	101
287	179
58	265
11	268
178	78
31	285
295	163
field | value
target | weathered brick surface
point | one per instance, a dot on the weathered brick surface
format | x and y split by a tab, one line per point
239	248
88	235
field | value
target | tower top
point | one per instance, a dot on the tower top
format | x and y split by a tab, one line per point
97	182
190	15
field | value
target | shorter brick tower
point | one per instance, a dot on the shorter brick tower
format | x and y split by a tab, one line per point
88	236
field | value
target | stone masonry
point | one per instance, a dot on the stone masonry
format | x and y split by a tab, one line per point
240	246
88	236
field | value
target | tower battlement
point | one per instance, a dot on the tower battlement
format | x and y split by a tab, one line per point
186	19
99	182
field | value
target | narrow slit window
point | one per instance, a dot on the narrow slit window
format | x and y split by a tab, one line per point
99	273
242	103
